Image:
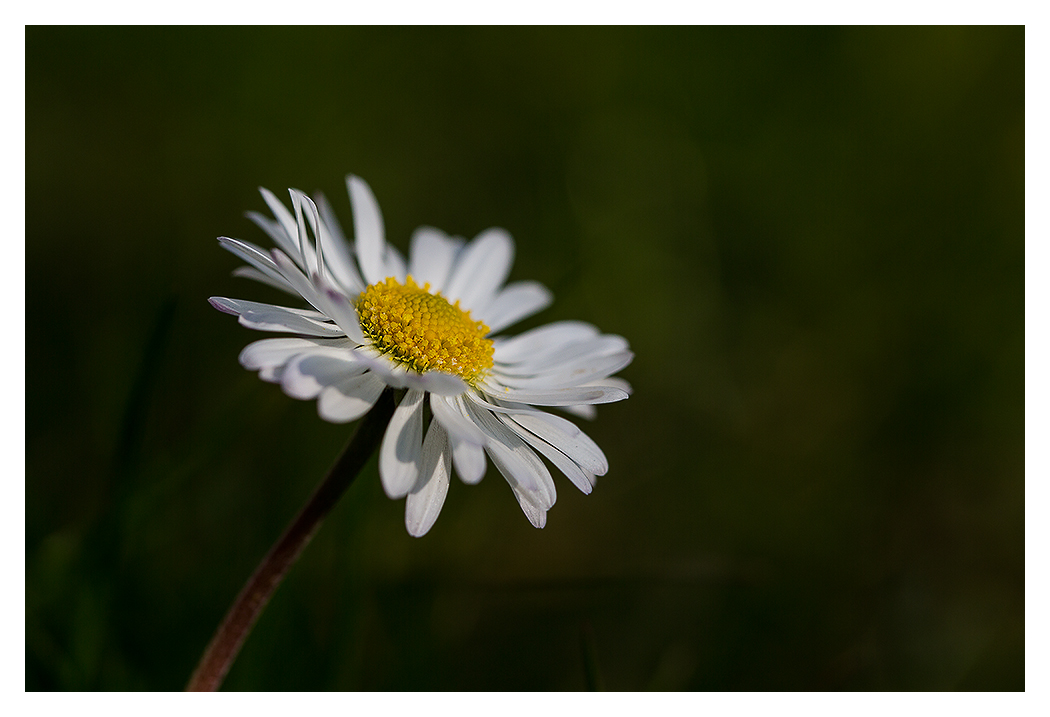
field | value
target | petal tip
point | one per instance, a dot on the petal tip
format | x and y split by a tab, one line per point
223	305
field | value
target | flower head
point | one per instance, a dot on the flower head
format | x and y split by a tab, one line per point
427	326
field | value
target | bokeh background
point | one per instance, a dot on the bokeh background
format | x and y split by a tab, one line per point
812	238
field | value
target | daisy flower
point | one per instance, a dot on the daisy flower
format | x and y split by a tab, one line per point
429	327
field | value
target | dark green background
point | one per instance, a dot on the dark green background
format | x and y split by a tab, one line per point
813	240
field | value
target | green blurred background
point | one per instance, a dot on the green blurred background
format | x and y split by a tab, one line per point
812	238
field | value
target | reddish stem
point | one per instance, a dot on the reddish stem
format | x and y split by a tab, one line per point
223	648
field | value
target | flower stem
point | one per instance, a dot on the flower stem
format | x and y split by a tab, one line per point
223	648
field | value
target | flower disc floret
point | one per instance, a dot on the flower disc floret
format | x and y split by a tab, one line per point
423	330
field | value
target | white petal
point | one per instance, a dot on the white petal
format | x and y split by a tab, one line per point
536	515
349	399
394	374
579	372
614	382
338	307
514	303
267	317
557	397
287	241
533	503
465	437
455	421
567	438
369	239
542	339
271	374
308	374
259	259
443	384
338	256
302	204
589	412
273	229
395	264
561	433
583	411
567	356
469	459
323	295
329	218
515	460
398	375
402	444
277	352
425	501
431	254
482	268
562	462
436	382
302	285
250	272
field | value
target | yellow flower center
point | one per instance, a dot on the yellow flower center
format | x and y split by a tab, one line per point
424	331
